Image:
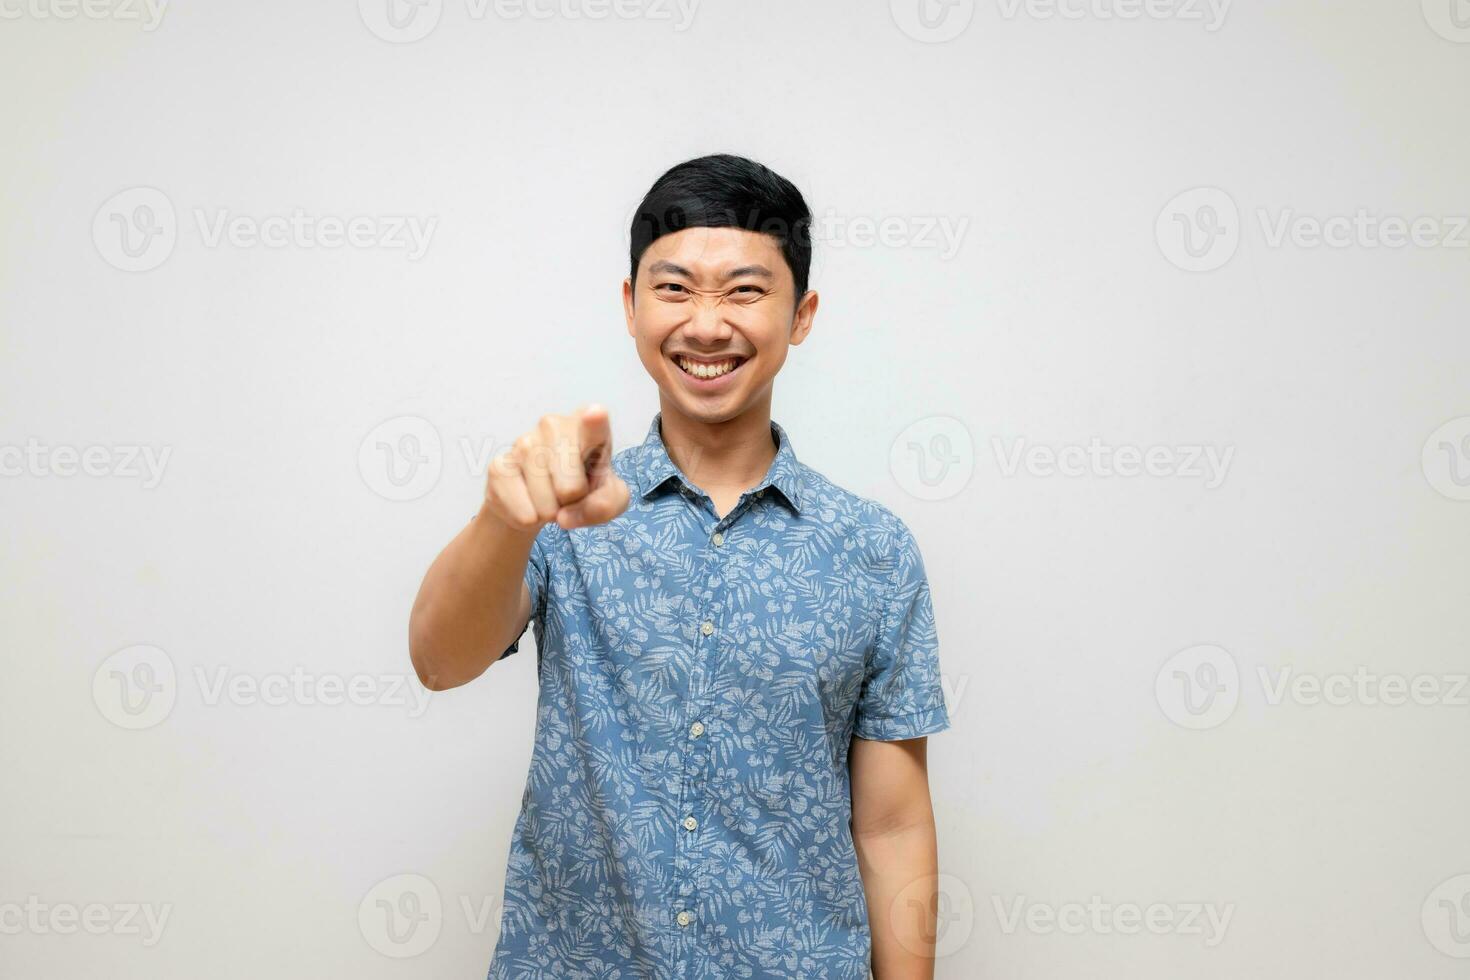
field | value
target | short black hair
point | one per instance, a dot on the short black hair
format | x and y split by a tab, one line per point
726	191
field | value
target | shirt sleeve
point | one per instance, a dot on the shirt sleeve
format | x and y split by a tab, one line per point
538	571
902	696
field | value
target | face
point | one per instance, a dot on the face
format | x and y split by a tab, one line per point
713	311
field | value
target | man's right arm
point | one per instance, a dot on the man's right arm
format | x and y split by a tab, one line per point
474	602
472	605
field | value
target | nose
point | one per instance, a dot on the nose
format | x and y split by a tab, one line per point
707	325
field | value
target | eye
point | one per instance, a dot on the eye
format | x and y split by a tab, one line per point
670	289
748	292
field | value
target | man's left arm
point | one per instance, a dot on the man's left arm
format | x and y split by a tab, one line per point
898	853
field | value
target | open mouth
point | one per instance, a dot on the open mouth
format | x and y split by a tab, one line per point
708	370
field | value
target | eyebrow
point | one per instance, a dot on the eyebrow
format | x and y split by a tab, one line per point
663	266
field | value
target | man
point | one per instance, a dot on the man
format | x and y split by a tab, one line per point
736	657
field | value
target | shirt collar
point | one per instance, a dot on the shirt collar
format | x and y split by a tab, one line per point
655	468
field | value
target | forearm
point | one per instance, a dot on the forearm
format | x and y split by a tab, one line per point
900	869
468	608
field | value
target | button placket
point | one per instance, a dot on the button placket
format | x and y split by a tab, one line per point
698	753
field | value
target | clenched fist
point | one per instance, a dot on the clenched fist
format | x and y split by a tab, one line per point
559	471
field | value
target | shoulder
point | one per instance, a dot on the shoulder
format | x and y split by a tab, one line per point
868	524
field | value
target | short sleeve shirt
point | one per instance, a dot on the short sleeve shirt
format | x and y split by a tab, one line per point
687	811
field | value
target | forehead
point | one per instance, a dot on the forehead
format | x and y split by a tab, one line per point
708	252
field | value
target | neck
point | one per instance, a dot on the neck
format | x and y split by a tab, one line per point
736	453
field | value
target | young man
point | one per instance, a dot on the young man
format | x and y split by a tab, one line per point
736	657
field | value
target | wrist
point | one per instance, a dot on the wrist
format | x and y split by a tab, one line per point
489	524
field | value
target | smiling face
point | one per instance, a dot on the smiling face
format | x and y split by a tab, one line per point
713	311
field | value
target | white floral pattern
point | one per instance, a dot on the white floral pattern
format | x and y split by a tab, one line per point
687	810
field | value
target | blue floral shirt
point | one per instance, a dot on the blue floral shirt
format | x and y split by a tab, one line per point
687	809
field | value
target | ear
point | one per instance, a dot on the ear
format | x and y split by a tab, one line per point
628	304
806	312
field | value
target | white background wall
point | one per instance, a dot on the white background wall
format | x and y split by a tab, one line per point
1112	643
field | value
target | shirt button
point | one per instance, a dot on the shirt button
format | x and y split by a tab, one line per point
707	628
684	918
719	538
696	729
690	823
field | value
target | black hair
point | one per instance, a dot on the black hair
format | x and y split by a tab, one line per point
726	191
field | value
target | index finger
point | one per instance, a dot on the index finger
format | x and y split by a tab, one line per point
594	436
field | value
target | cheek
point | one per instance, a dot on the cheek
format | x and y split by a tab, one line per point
650	336
770	335
655	319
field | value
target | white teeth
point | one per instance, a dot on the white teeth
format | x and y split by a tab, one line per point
705	371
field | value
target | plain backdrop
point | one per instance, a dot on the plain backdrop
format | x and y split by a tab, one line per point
1209	719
